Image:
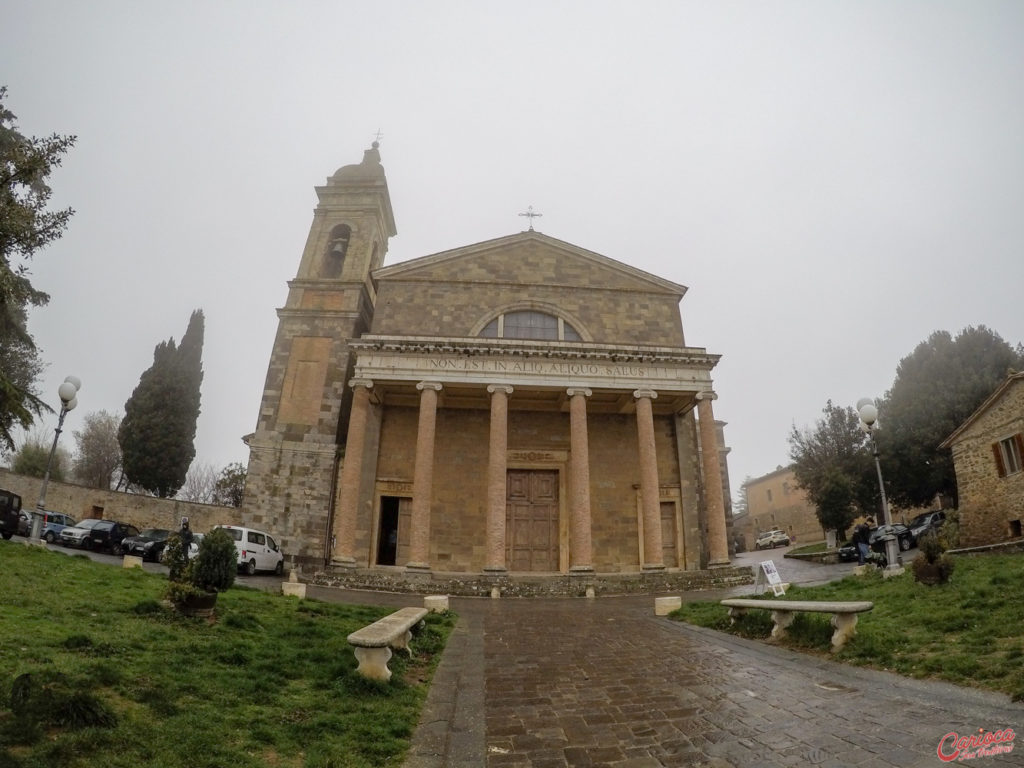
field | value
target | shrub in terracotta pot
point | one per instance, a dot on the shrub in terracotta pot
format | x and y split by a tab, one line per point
933	566
194	584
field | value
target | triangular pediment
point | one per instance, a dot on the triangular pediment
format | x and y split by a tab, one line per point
529	258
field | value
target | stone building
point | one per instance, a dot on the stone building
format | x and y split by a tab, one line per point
520	405
775	501
988	455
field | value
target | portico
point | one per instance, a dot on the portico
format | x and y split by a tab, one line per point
465	381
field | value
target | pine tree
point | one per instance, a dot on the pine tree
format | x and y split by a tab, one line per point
157	434
25	227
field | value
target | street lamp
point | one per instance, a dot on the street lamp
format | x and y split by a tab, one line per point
869	423
68	392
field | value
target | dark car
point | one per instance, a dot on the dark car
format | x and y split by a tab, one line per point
847	552
149	544
900	531
98	534
10	508
24	522
926	521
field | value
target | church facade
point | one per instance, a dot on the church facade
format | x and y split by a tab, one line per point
520	405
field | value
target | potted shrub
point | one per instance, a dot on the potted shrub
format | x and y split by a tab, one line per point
933	565
194	584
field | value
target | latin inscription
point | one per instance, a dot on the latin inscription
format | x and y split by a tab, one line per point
544	367
447	366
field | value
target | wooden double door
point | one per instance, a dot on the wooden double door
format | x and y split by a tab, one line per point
531	520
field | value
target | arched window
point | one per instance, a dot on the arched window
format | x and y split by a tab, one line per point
337	247
530	324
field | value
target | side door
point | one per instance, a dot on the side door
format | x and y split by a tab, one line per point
274	553
257	546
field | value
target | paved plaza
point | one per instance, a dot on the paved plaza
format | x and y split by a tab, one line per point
576	682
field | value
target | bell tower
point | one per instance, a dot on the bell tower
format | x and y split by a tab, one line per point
294	453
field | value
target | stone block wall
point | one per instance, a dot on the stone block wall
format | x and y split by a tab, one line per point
81	502
990	504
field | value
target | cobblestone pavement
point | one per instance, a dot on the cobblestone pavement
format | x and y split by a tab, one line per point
595	683
553	683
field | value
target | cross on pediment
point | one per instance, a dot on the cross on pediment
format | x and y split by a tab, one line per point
531	215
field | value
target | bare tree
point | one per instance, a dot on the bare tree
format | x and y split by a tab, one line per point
99	454
33	455
200	483
230	485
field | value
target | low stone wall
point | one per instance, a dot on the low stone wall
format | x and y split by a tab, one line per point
523	585
141	511
1013	547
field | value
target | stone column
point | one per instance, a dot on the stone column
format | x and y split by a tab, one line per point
580	550
351	475
718	546
423	478
649	490
497	464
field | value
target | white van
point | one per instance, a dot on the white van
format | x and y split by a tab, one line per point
257	550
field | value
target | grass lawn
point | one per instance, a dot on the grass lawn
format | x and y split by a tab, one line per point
969	631
807	549
117	679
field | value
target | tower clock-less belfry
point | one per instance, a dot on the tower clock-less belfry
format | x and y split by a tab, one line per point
520	405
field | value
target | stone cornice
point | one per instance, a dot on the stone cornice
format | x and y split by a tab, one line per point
316	314
532	364
691	357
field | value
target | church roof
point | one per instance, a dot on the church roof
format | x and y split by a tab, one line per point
432	266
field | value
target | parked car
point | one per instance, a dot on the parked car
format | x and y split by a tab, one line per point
847	552
193	548
148	544
98	534
77	535
24	522
902	533
771	539
53	524
10	509
926	521
257	550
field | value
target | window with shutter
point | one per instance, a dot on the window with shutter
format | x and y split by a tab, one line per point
1008	455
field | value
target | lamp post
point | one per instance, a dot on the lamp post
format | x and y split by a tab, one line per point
869	423
68	392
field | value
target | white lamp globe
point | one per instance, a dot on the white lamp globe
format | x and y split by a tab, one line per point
868	414
67	391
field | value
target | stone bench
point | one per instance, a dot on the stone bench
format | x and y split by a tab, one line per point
844	614
372	644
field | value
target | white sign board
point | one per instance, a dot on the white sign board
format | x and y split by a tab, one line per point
768	572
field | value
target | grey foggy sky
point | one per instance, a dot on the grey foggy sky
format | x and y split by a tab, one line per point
833	181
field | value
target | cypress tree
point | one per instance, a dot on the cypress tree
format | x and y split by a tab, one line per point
157	434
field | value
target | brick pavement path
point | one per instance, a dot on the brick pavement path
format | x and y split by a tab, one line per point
546	683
